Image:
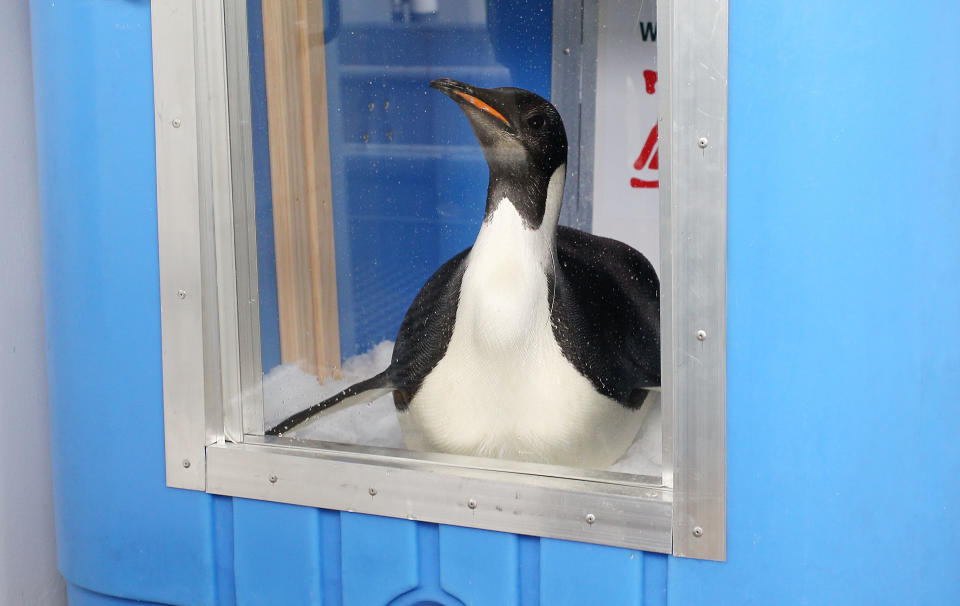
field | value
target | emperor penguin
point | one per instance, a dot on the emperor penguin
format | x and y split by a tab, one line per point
538	343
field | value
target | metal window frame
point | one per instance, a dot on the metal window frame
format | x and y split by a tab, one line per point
210	322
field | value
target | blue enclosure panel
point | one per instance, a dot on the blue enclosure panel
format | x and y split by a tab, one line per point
576	573
843	462
478	565
120	531
262	531
78	596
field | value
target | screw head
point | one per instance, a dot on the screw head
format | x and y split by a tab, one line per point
176	122
370	106
186	463
590	518
701	335
273	478
472	503
182	294
702	142
566	51
697	531
372	491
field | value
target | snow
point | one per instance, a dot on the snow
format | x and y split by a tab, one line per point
287	390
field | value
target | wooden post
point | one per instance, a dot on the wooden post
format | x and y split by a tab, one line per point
300	173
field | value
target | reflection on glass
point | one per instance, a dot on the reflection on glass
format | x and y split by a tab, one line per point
538	344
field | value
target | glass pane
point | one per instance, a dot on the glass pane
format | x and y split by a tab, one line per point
538	345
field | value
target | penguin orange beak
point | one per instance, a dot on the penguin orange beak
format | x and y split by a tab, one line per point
464	93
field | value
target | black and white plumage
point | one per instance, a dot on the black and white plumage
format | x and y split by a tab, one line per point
538	343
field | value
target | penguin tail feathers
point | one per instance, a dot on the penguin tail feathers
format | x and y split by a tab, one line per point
358	393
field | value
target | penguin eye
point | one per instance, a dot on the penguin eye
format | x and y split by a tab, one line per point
536	121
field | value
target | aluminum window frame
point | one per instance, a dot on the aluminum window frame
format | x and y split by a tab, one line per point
210	317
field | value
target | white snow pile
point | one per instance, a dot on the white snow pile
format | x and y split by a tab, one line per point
287	390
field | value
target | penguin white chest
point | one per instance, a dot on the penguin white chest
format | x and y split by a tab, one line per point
504	388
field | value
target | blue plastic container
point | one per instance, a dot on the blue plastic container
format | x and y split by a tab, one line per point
843	298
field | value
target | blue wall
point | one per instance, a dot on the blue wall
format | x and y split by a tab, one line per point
843	466
843	296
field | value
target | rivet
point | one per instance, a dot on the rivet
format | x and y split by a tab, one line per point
701	335
590	518
366	137
566	51
702	142
386	105
370	106
272	478
186	463
182	294
472	503
389	135
697	531
372	491
176	123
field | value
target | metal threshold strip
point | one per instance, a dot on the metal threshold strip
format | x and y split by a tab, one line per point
511	498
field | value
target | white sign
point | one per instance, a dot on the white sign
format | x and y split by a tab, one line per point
626	159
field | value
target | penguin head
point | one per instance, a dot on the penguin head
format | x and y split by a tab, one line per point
520	132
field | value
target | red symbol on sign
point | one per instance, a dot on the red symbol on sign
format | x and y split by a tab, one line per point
650	78
649	158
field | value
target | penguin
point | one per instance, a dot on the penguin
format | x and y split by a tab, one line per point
540	342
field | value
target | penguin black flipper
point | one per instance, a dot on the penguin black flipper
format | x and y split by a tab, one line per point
606	314
426	330
421	343
364	391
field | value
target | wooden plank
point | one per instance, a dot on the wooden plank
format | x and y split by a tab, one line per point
300	173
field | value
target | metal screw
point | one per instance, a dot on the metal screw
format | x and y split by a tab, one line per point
472	503
697	531
389	135
370	106
366	137
566	51
272	478
176	123
372	491
182	294
702	142
701	335
186	463
386	105
590	518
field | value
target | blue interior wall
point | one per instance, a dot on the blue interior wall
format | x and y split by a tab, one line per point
266	253
843	465
409	180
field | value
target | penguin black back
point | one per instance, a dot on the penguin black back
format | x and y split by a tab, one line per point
606	314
